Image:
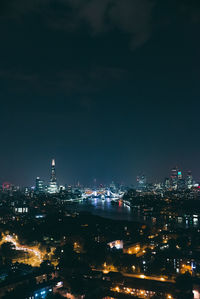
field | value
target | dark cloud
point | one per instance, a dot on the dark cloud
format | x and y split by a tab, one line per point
137	18
129	16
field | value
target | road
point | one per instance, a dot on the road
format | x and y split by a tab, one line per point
141	276
36	256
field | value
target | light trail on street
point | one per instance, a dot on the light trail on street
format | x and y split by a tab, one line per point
37	255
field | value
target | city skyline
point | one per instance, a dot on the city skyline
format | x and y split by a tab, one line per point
52	183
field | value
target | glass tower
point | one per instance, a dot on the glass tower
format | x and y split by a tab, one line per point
39	185
53	187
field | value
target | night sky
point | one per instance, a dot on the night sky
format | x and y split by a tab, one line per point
109	88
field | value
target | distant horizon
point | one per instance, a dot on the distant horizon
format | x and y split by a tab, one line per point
98	182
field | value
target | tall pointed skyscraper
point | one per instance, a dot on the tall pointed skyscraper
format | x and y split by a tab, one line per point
53	187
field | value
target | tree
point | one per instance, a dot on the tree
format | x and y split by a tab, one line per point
7	251
184	286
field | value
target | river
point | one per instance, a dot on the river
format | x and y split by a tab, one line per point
119	211
104	208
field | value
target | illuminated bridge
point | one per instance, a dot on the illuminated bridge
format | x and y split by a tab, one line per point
102	193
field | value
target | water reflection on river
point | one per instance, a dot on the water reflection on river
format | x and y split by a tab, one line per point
119	211
104	208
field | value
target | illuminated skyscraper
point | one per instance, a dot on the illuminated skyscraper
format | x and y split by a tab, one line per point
141	182
174	177
189	180
53	187
39	185
167	183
